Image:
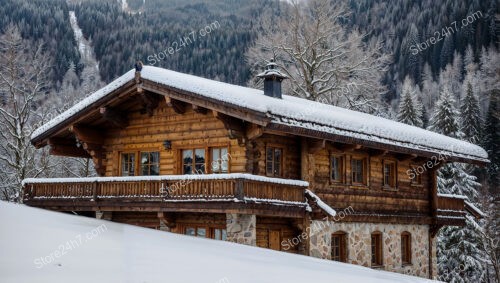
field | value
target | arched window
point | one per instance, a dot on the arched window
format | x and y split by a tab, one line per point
377	259
339	246
406	248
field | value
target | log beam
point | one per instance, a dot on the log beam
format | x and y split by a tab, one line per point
254	131
234	126
92	141
314	146
149	101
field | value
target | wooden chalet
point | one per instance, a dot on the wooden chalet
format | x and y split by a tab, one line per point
204	158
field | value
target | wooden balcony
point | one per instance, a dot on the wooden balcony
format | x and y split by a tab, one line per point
238	193
451	210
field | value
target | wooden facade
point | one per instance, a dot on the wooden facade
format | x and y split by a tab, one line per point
144	128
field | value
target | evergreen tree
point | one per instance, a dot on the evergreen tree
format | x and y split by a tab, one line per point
459	253
470	116
410	109
491	141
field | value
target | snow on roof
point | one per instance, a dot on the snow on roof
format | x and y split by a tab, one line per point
246	176
294	111
325	207
58	247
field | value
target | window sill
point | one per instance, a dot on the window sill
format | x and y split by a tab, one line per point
390	189
377	266
358	187
417	185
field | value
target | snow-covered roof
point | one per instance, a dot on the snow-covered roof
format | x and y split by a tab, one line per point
325	207
134	254
294	112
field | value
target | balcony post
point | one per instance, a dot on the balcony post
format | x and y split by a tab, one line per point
239	189
94	190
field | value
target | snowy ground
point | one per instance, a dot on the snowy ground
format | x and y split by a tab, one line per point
43	246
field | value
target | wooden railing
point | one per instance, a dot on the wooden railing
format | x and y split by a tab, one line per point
450	210
163	188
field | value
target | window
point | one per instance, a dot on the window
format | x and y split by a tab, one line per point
337	168
406	248
150	163
128	164
206	232
377	249
196	231
273	161
339	247
193	161
358	171
220	157
390	174
219	234
415	176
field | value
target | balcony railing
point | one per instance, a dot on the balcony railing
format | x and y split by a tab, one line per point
451	209
231	187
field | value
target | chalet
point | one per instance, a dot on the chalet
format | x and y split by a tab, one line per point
180	153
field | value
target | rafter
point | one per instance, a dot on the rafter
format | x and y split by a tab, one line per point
234	126
314	145
199	109
91	140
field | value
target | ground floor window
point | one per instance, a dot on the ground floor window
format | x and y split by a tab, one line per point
377	249
339	247
206	232
406	248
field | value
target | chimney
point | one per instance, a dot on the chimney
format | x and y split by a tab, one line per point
272	80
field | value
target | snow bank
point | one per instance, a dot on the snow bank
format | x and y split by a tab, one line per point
124	253
298	112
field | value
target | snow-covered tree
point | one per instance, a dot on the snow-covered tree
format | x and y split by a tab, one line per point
410	109
470	116
459	248
23	83
491	140
324	61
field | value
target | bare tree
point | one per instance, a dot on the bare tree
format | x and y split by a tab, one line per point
23	83
324	61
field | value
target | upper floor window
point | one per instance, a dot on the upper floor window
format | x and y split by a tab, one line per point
193	161
220	160
150	163
390	174
406	248
376	246
128	164
359	170
274	158
339	247
337	168
415	176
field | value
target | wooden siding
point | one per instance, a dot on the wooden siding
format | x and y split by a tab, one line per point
286	228
188	130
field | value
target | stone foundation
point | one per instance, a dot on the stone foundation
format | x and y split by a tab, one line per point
241	229
358	237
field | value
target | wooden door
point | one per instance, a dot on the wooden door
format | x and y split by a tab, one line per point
274	240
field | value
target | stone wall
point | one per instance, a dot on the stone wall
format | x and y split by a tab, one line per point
359	244
241	229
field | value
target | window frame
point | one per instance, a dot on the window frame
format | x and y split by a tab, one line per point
211	159
342	236
366	170
274	148
417	181
193	157
209	231
342	168
376	245
134	163
394	177
140	167
406	250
